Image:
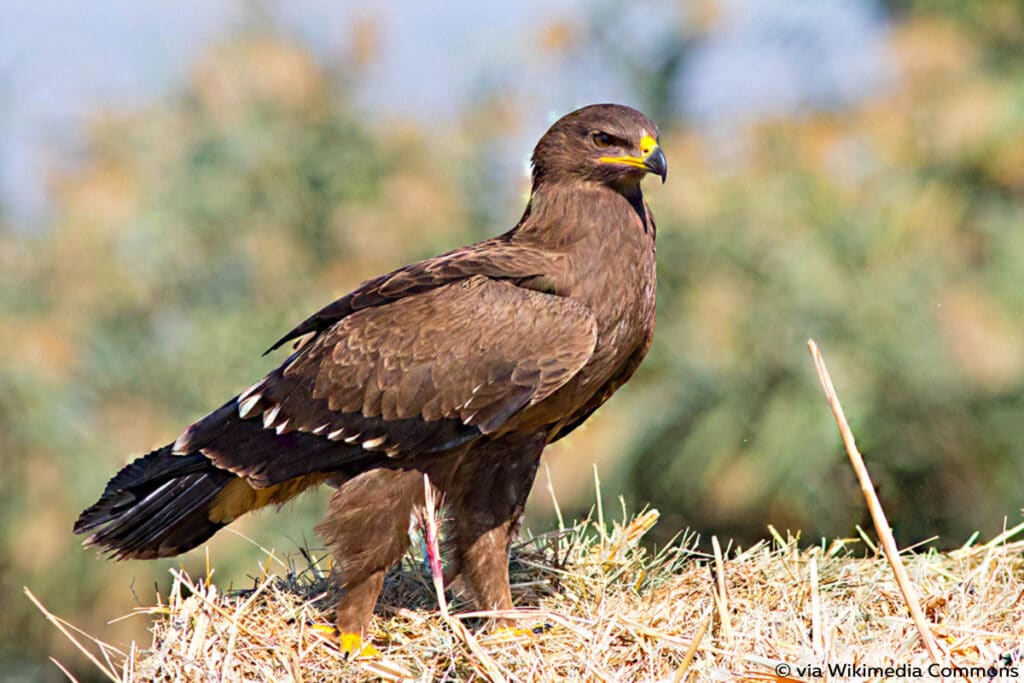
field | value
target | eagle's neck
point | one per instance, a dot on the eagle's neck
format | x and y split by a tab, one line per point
563	213
605	241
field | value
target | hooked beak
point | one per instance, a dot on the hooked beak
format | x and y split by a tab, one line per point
657	164
651	158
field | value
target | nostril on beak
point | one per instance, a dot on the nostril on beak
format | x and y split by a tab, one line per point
647	146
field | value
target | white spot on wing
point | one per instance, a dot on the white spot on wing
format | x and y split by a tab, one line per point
181	444
374	443
247	406
270	416
336	434
251	390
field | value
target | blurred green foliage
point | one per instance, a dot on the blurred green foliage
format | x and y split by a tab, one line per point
192	235
892	234
198	229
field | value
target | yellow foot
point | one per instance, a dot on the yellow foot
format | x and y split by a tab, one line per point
506	634
350	644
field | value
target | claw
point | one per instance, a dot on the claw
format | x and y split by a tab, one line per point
351	645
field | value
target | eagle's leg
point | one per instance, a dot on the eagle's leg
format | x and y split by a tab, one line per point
356	605
367	526
493	483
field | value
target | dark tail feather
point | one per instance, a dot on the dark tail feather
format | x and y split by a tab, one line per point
155	507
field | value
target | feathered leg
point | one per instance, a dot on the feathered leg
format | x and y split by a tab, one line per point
367	525
490	489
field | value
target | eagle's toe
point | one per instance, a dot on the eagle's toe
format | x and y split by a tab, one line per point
351	645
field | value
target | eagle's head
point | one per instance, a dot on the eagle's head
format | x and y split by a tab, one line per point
605	143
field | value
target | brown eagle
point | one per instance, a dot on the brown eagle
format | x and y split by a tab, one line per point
462	367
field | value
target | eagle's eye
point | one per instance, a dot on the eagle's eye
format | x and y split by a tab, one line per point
602	139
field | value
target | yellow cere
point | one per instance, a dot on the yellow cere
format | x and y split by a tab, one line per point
647	145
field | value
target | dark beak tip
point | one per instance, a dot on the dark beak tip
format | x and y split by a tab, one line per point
658	165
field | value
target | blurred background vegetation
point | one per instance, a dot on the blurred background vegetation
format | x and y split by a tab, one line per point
185	233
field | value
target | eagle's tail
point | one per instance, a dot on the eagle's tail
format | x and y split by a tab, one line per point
157	506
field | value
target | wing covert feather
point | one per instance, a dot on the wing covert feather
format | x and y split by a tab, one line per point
420	374
497	258
476	351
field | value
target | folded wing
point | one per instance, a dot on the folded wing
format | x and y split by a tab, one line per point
420	374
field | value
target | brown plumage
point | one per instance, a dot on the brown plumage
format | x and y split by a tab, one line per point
462	367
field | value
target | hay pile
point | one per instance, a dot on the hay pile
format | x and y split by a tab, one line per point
605	608
617	612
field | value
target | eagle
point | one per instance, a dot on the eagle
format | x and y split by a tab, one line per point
461	367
